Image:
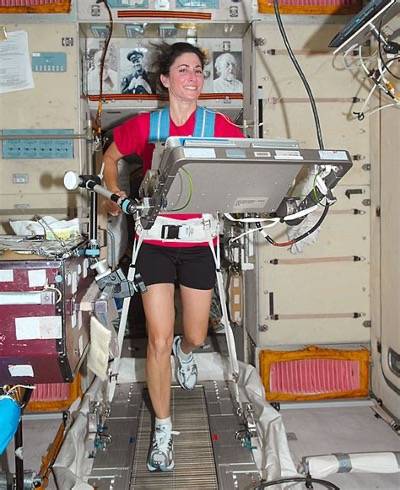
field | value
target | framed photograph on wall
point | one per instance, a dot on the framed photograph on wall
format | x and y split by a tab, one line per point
134	73
110	69
227	72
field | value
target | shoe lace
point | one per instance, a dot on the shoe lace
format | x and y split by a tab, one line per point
188	367
163	438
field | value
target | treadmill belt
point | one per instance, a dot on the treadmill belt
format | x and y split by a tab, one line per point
194	459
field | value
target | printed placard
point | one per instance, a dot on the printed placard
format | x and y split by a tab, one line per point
6	275
37	278
19	370
333	155
288	155
245	203
199	153
38	327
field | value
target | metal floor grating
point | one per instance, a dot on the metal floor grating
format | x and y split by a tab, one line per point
194	458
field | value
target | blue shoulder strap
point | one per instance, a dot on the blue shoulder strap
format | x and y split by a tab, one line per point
159	124
205	123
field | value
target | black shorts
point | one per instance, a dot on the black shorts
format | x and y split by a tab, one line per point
193	267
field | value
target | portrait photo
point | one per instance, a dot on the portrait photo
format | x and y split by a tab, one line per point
227	72
110	70
134	73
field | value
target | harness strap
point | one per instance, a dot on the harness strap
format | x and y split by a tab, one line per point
204	123
230	339
114	367
194	230
160	124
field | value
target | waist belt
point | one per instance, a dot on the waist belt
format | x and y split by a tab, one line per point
192	230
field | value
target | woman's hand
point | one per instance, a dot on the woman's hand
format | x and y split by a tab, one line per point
111	207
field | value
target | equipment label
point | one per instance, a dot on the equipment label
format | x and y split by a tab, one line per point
262	154
20	369
333	155
244	203
288	155
199	153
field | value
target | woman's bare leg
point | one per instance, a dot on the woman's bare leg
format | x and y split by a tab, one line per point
158	303
196	305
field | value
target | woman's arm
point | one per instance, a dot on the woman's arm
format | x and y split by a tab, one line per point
110	177
110	160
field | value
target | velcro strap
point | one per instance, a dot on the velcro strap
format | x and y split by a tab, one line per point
169	232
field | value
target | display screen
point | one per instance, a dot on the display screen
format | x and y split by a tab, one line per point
359	21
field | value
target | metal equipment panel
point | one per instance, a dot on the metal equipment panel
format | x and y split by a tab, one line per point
44	335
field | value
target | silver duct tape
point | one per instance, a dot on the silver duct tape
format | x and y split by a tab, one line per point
344	462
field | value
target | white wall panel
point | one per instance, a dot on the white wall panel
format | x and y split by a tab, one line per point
286	110
295	120
328	286
53	103
332	287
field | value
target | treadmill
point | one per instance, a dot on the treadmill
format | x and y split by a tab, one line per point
225	424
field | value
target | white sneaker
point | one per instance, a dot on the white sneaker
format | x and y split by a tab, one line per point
161	456
186	371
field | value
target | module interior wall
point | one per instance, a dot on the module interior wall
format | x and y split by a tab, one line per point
53	103
336	286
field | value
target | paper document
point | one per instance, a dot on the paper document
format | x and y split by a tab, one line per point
15	68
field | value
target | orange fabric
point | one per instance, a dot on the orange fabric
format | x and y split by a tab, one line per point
313	7
34	7
269	357
74	392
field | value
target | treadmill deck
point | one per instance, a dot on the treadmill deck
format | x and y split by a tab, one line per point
207	455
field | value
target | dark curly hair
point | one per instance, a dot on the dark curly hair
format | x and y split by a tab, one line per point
165	54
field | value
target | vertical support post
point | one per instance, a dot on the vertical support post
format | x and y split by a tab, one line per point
19	461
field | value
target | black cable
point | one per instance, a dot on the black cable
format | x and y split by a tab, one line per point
316	120
300	72
305	479
103	57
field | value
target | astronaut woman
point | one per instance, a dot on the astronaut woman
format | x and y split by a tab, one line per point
163	262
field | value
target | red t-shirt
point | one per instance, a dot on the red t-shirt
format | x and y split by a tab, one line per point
133	135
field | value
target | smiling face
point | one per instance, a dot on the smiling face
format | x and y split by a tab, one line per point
185	79
137	67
